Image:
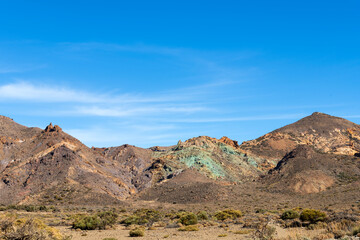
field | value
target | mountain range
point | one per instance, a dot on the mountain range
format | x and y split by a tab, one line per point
317	154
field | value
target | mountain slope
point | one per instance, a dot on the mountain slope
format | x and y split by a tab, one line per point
304	170
51	167
325	133
54	163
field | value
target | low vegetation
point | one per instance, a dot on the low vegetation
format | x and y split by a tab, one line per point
202	215
312	216
188	218
289	214
356	231
13	228
100	220
143	217
337	225
137	232
228	214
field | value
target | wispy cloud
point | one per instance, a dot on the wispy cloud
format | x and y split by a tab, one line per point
135	110
81	103
238	119
351	116
41	93
18	69
45	93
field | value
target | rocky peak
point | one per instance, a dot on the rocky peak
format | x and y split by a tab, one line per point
51	128
3	118
230	142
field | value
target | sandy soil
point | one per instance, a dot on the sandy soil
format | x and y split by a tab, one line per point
207	233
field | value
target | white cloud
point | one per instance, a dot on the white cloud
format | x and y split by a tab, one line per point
136	110
239	119
29	92
18	69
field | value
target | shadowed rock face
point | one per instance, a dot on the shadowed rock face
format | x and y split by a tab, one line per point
325	133
304	170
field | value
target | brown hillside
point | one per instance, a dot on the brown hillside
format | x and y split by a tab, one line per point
305	170
324	132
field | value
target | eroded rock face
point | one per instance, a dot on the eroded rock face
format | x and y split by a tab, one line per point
325	133
312	181
215	158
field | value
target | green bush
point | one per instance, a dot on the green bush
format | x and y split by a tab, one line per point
289	214
142	217
98	221
228	214
202	215
107	218
137	232
87	222
312	215
356	231
188	219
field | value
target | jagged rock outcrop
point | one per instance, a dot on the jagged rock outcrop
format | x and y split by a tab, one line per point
51	128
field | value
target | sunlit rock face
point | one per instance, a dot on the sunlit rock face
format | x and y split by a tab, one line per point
325	133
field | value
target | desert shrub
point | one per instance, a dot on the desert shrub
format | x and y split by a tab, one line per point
109	239
289	214
339	229
136	232
265	233
188	219
27	208
202	215
228	214
86	222
222	235
23	228
142	217
189	228
98	221
312	215
107	218
356	231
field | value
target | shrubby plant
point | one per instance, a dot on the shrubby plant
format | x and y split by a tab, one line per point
289	214
137	232
228	214
15	228
98	221
142	217
312	215
188	219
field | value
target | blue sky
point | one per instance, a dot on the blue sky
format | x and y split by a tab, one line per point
153	72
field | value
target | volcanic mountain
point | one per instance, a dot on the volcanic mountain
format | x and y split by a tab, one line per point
325	133
51	167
